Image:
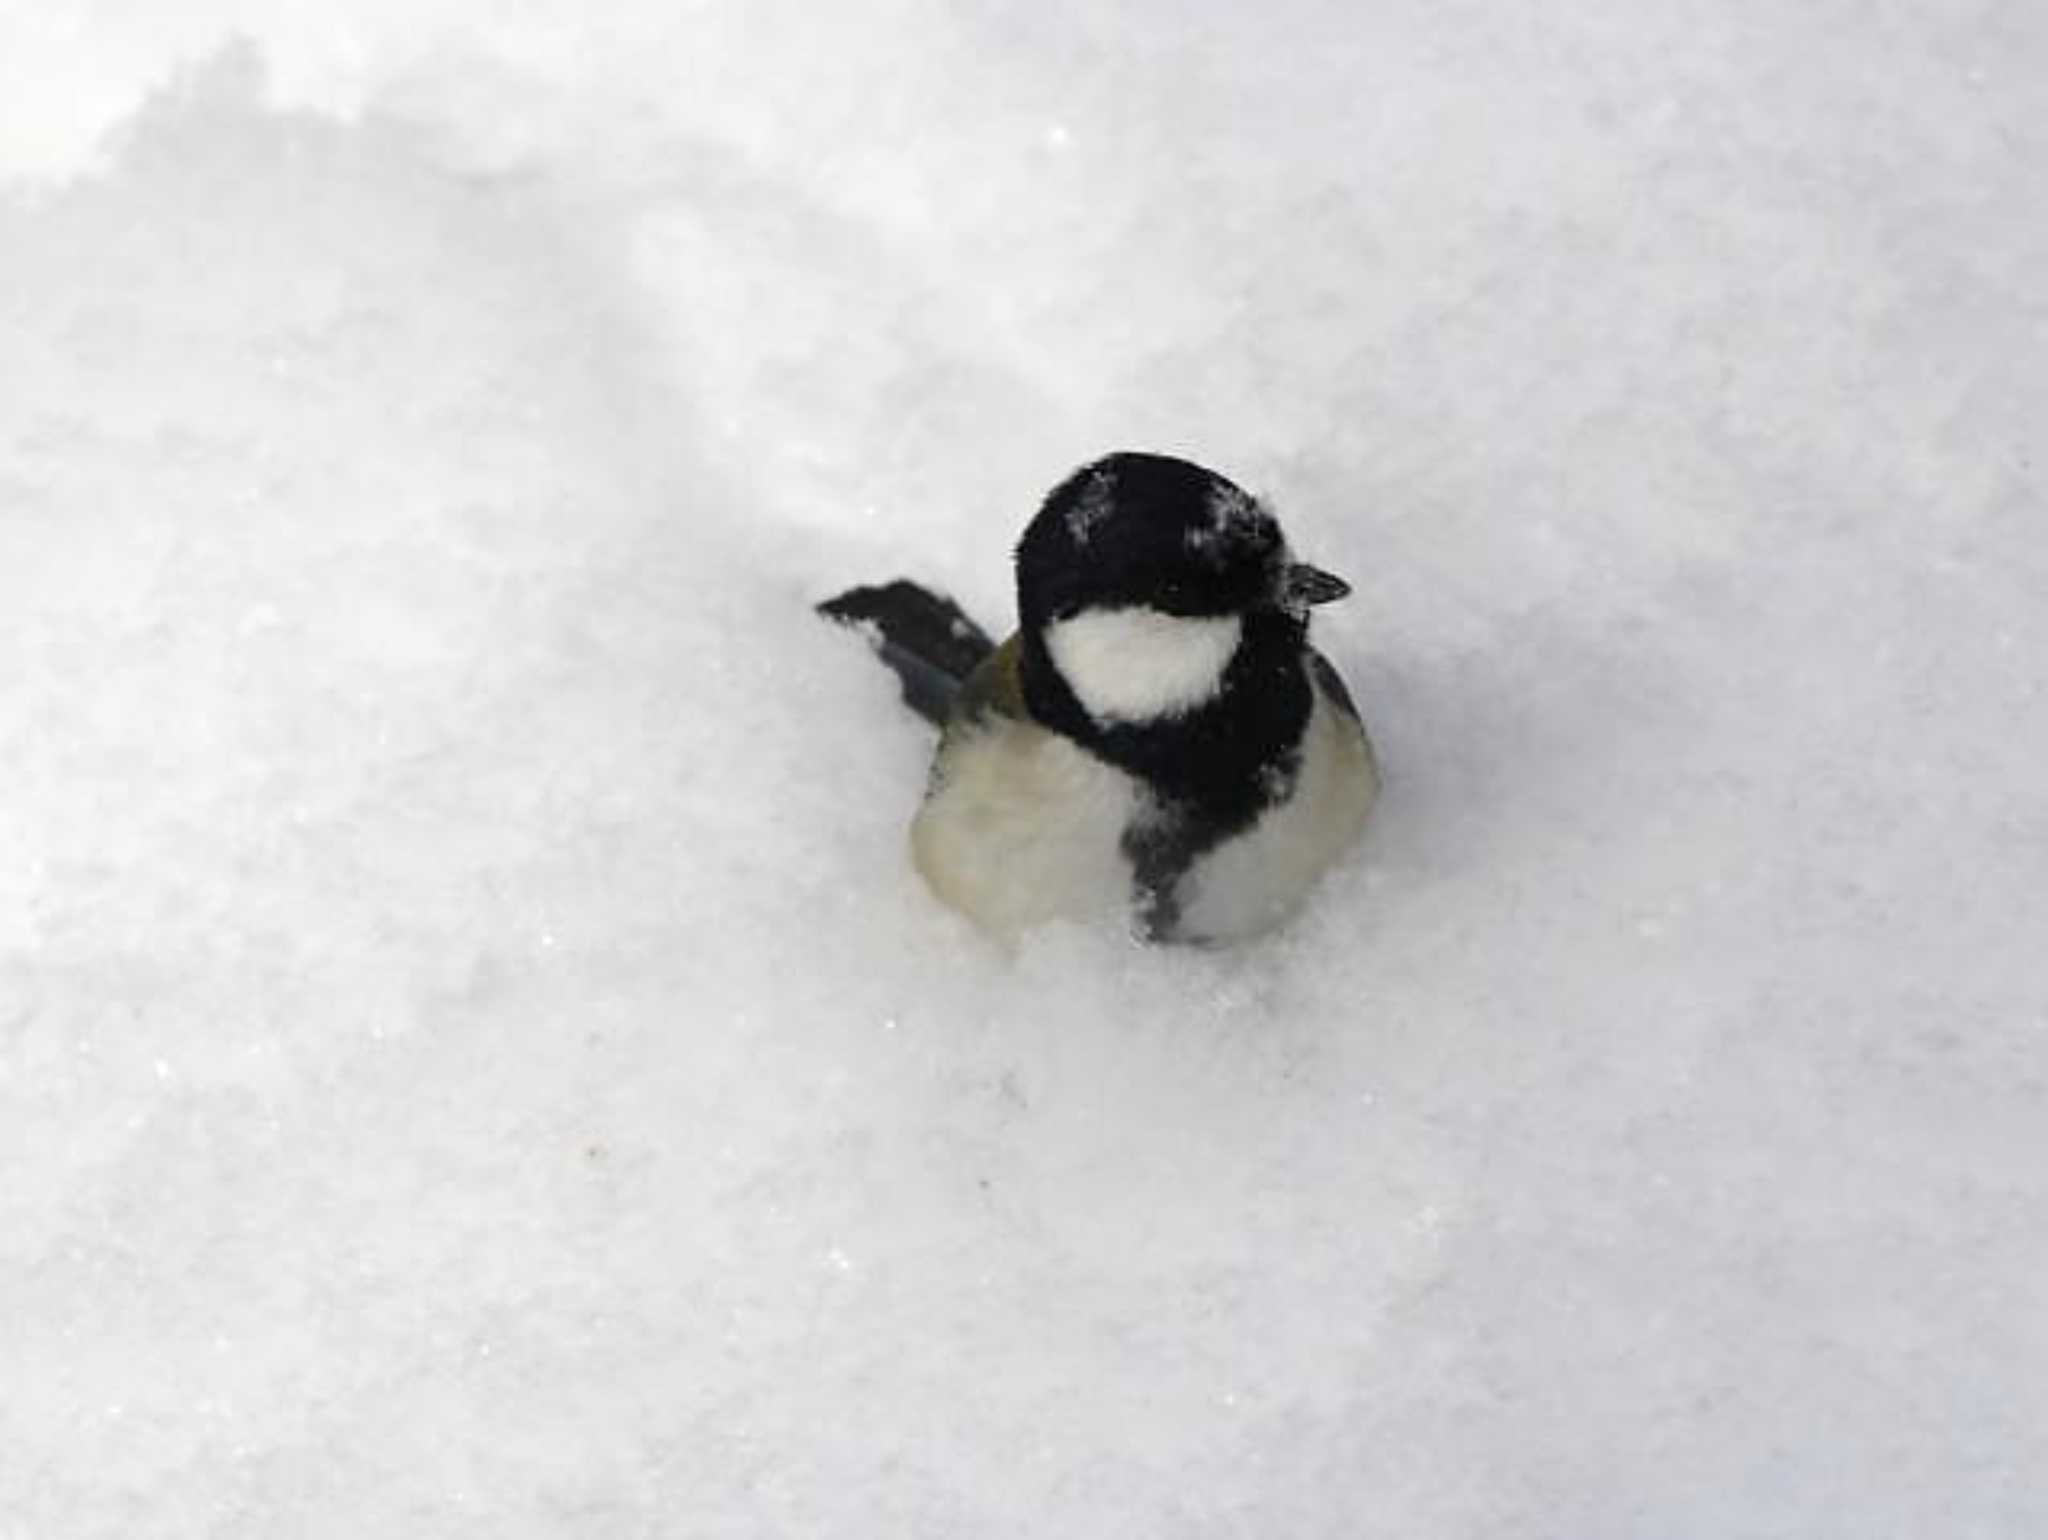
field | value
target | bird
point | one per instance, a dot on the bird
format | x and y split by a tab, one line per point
1157	743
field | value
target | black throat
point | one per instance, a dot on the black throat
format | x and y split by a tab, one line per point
1219	765
1211	771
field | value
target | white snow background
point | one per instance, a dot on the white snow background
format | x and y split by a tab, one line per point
474	1058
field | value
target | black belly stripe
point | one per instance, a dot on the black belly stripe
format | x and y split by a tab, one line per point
1160	849
1165	841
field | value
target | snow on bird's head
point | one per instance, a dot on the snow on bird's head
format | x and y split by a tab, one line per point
1149	530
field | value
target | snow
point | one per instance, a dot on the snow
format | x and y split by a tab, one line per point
474	1057
1090	508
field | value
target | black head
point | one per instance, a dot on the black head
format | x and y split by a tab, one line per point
1149	532
1144	529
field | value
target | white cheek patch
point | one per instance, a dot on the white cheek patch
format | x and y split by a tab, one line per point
1137	664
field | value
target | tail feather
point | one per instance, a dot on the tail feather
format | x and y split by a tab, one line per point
924	637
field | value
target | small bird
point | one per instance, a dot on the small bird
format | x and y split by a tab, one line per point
1157	741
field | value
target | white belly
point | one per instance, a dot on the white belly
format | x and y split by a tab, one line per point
1023	826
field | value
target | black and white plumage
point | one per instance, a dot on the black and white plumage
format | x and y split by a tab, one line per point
1158	739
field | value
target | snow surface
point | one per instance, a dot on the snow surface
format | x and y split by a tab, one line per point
474	1058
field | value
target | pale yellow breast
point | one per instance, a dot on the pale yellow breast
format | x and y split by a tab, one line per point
1021	826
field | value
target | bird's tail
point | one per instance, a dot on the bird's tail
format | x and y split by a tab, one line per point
924	637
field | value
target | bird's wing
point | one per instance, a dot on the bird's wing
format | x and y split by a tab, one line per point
923	636
1331	683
